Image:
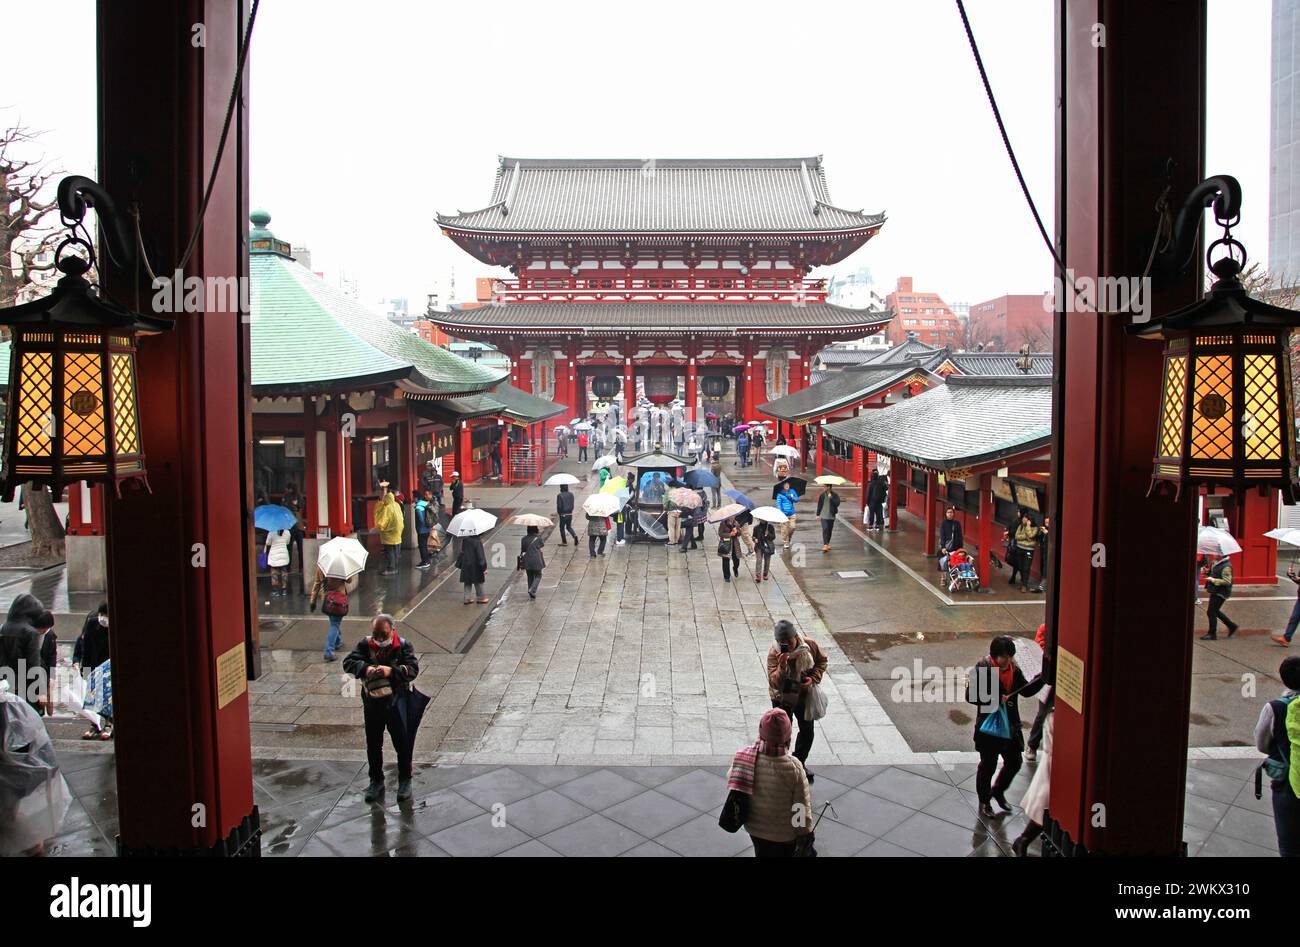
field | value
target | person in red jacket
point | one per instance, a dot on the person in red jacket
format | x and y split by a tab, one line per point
582	445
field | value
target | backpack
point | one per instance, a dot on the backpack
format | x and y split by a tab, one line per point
336	603
1281	765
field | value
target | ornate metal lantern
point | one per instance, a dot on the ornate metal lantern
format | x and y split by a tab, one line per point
1227	414
606	386
73	411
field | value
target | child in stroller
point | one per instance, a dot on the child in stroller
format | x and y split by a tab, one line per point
961	572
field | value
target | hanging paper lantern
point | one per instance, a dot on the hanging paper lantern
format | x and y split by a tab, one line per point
606	386
715	386
661	389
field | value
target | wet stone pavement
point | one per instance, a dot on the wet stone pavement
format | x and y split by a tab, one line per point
315	808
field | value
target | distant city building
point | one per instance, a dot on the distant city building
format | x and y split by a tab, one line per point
922	313
398	312
303	256
1007	322
1284	145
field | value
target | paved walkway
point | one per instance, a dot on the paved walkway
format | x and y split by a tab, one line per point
315	808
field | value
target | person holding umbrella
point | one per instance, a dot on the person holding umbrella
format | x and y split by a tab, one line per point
1218	582
597	535
386	665
786	497
828	507
531	559
764	545
338	561
728	534
277	559
742	447
472	562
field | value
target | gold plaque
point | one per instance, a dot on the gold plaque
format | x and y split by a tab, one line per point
231	678
1069	679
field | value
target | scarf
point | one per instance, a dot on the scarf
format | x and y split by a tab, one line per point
1006	676
741	775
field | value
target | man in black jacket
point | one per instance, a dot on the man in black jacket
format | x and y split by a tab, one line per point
950	537
876	496
20	649
457	492
828	506
385	665
91	647
1218	582
564	509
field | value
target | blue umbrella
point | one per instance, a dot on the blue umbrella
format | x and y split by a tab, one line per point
740	498
272	517
701	478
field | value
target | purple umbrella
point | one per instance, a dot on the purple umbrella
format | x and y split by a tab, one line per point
740	427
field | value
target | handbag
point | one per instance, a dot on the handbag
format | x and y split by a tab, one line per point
724	548
262	562
378	687
522	558
997	725
815	703
735	810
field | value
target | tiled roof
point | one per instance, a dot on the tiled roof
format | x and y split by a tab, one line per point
1000	363
833	357
838	391
6	347
786	195
505	399
635	316
971	419
308	336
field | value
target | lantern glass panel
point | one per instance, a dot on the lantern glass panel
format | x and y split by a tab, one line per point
1261	426
83	409
35	396
1212	408
1171	408
126	427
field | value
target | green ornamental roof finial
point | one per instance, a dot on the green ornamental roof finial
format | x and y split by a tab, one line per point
260	218
261	240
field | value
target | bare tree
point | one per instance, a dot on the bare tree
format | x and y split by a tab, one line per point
1037	337
977	335
26	241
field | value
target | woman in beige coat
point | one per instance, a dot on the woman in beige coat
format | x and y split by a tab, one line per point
1036	799
780	807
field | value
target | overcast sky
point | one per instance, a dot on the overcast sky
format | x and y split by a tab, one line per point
369	118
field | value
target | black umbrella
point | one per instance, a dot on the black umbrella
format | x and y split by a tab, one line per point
798	484
410	708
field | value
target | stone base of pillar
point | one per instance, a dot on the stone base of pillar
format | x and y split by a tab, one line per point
244	841
86	563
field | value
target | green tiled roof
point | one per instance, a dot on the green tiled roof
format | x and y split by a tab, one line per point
5	348
309	336
505	399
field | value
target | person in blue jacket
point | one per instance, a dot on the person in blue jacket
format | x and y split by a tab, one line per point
742	448
786	498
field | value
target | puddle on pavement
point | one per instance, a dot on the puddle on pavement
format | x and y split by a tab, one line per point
866	648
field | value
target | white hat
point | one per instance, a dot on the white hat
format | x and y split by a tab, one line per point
455	473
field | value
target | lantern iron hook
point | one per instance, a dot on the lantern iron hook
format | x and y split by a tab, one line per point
1223	192
75	194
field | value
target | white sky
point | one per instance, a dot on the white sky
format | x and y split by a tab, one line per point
366	119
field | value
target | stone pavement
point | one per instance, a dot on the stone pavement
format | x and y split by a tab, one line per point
315	808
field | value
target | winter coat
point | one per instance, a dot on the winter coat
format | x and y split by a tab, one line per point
985	742
780	784
389	521
765	537
564	503
457	492
277	548
20	642
400	656
831	498
876	493
597	526
530	547
774	664
1219	581
91	648
1035	801
423	517
950	535
322	584
472	561
785	501
727	533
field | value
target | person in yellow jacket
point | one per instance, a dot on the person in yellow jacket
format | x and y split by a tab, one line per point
389	521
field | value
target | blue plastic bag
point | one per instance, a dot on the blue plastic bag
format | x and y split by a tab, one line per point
997	725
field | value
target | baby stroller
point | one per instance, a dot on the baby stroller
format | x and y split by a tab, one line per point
961	572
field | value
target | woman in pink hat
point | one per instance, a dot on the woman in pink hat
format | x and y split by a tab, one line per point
780	802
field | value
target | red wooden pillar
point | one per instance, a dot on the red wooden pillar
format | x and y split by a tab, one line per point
464	450
338	470
85	509
895	472
178	556
1124	632
985	563
503	427
820	450
931	511
864	458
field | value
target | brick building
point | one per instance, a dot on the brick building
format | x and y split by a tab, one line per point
925	314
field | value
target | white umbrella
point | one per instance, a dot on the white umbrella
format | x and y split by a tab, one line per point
1284	534
725	512
341	557
576	421
608	460
600	504
784	450
531	519
471	522
768	514
582	426
561	480
1029	656
833	479
1212	541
